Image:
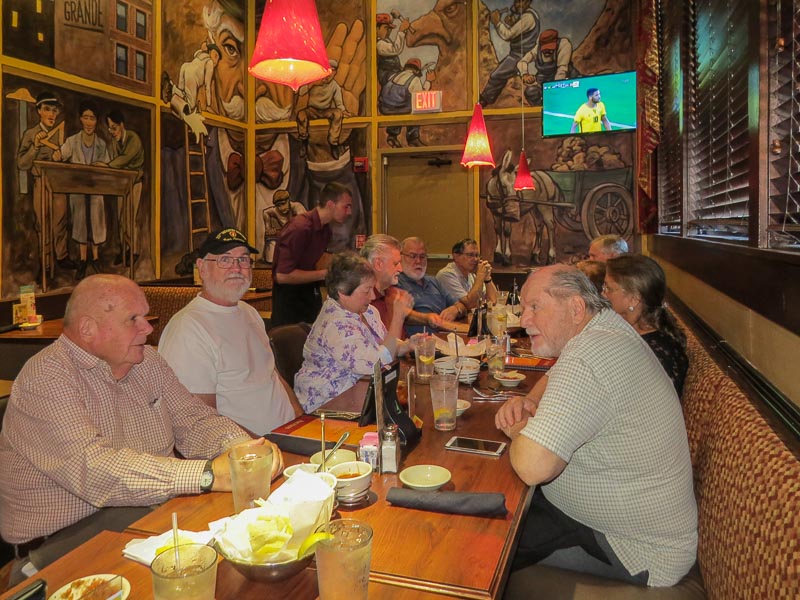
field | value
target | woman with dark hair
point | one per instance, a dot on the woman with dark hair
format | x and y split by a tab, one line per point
348	336
635	285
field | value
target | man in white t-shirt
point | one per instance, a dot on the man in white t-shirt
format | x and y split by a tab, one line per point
218	346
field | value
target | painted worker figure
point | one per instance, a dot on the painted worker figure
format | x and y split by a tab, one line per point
550	60
396	97
276	217
387	49
324	101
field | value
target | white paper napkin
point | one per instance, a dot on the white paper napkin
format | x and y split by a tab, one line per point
449	347
144	550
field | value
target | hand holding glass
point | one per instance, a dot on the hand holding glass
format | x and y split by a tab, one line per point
251	473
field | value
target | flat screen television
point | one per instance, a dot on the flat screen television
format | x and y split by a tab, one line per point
561	100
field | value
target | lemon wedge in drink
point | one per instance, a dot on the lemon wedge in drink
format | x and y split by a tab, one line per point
426	360
309	545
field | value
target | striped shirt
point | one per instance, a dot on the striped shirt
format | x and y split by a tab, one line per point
75	440
612	414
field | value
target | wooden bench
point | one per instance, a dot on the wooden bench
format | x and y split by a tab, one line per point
747	484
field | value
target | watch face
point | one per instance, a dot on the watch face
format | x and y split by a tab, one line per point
206	480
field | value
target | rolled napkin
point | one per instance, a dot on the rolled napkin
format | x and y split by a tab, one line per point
297	445
456	503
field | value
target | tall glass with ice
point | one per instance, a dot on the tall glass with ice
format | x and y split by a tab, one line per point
343	560
251	473
425	353
192	577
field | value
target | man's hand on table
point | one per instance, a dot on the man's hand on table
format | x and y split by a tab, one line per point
222	471
451	313
512	416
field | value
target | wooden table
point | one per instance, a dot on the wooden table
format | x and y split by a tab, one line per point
49	330
463	556
5	387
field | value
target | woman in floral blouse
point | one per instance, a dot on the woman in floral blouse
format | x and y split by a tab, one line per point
348	336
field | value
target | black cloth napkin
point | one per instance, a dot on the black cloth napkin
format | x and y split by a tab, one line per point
297	445
456	503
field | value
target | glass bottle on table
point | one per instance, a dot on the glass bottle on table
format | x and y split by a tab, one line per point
514	300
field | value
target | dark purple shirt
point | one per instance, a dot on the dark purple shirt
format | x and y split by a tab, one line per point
301	243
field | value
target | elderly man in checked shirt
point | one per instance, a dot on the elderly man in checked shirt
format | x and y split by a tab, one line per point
605	441
93	427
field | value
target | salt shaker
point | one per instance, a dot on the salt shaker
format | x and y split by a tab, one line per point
390	449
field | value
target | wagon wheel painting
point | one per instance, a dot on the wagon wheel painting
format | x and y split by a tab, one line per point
607	208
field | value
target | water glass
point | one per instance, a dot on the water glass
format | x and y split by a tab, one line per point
425	353
251	473
444	397
496	353
343	560
498	319
193	576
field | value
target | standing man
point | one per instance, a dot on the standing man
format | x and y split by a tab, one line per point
94	427
434	306
383	254
521	30
127	152
37	145
591	116
607	246
395	99
217	344
468	278
389	50
606	443
296	296
324	101
550	60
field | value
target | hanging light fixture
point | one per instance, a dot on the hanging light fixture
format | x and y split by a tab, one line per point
523	180
477	150
290	49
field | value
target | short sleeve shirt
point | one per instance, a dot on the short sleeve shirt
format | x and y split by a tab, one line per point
612	414
590	119
455	282
301	243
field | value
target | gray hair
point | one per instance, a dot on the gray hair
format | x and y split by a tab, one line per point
412	238
611	244
567	281
378	244
348	270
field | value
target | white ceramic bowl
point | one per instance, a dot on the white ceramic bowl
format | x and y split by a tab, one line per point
467	376
468	363
333	459
509	379
292	469
461	406
426	478
353	478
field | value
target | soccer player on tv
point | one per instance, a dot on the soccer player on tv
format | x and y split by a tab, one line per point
591	116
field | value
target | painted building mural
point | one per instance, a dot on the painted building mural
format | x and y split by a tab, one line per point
173	148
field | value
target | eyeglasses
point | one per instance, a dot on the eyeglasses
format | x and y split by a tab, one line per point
226	262
413	256
470	254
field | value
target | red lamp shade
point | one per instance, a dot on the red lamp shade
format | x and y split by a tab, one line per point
290	49
477	150
523	181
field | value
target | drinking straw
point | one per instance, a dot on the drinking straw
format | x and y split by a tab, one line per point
175	540
322	433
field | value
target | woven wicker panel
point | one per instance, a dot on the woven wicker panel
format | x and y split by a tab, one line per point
262	278
747	486
164	302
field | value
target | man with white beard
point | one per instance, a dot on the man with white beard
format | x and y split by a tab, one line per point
218	346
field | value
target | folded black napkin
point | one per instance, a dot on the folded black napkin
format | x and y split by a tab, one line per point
297	445
457	503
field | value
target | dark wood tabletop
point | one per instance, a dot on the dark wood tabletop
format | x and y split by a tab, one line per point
48	330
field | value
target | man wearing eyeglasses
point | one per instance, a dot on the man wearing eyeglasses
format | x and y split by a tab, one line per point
434	307
218	346
468	278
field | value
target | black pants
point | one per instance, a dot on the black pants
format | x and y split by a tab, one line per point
295	303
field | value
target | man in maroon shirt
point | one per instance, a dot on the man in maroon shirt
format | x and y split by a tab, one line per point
297	278
383	253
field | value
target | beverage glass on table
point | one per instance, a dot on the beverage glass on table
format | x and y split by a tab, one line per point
425	353
251	473
498	319
343	560
444	397
496	353
193	577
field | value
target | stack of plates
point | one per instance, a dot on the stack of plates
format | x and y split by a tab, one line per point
469	367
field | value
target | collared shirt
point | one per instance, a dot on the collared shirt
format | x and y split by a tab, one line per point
301	243
456	283
429	296
75	439
385	309
612	414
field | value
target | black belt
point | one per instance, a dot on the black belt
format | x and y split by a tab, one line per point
22	550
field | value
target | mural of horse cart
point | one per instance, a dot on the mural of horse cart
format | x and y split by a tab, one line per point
593	202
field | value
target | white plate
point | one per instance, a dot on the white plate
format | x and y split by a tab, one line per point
68	592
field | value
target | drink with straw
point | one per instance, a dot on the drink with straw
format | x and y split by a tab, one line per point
425	353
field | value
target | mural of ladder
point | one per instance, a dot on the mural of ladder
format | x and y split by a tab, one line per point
196	189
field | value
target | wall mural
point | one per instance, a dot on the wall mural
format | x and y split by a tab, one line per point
56	234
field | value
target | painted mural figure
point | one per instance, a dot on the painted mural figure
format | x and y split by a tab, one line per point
36	144
86	148
127	153
324	101
194	88
520	29
276	217
395	98
389	50
549	60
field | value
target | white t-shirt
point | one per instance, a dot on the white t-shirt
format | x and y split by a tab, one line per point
224	350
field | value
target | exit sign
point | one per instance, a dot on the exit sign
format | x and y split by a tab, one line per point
427	101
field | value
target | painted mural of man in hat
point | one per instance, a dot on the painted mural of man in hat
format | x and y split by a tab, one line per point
388	50
39	143
395	98
324	101
276	217
549	60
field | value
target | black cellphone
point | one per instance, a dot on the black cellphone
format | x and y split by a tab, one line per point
35	591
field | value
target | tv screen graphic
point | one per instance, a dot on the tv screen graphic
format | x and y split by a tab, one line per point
562	99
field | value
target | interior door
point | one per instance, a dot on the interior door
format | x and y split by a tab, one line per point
427	195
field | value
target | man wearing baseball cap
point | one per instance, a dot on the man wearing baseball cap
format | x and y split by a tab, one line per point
395	99
218	346
549	60
388	50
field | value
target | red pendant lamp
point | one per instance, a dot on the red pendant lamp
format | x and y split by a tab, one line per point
523	180
477	150
290	49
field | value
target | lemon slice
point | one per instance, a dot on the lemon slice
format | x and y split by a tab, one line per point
426	360
309	545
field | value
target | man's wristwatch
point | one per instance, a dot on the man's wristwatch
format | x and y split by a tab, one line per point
207	478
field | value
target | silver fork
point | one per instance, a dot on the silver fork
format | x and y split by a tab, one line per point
496	394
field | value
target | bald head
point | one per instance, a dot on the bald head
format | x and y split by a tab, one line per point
97	296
